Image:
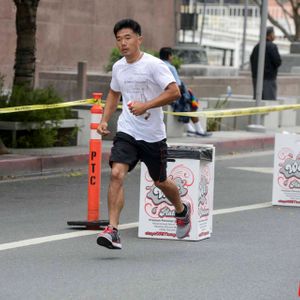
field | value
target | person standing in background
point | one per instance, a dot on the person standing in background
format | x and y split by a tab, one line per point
185	103
272	63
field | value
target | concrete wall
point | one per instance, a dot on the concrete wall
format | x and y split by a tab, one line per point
288	86
69	31
289	61
66	85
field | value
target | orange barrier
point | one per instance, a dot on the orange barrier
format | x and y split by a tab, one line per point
94	174
94	181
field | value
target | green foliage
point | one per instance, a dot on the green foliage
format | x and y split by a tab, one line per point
21	96
39	138
176	62
114	56
46	133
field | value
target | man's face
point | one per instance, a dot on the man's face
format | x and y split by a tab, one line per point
271	37
128	42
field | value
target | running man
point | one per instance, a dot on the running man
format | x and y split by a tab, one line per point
145	84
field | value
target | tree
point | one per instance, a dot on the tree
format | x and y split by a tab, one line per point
293	13
26	42
25	50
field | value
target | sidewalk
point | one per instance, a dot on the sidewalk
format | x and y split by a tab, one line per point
22	162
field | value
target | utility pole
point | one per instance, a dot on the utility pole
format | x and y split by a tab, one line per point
261	64
202	23
244	35
194	19
261	57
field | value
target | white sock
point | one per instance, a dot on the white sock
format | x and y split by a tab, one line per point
199	127
189	127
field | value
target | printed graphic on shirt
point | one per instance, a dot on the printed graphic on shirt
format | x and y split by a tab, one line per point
135	87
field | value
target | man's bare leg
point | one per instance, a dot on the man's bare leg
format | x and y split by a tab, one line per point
116	192
170	190
182	212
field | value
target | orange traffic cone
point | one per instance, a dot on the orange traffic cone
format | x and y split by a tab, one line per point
94	175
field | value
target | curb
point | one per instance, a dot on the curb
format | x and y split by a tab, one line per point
15	165
252	144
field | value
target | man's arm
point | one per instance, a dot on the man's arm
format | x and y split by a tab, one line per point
111	105
170	94
276	59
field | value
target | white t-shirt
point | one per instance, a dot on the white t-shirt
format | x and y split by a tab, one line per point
141	81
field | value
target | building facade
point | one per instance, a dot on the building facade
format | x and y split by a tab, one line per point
69	31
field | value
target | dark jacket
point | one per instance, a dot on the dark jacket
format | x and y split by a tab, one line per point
272	61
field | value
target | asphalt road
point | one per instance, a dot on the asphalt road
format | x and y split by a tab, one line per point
252	254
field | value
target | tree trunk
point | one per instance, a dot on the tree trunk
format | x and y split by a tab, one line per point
3	149
25	52
294	14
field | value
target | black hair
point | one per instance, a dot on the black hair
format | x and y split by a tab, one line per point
270	30
128	23
165	53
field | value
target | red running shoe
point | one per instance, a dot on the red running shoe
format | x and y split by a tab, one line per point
109	238
184	223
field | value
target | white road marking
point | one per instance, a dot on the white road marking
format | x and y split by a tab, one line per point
45	239
254	169
65	236
241	208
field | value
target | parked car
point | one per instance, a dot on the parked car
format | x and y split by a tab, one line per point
191	54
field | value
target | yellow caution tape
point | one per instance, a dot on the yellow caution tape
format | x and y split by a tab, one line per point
235	112
46	106
208	113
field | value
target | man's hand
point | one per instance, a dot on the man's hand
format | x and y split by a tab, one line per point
137	108
102	128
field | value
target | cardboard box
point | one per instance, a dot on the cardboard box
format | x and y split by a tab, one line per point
286	178
192	169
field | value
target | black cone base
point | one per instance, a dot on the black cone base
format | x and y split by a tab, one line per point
89	224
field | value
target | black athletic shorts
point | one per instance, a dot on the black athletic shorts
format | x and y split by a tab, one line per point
129	151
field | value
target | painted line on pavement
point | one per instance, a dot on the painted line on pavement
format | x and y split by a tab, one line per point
241	208
254	169
65	236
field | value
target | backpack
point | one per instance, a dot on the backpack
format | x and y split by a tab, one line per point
186	103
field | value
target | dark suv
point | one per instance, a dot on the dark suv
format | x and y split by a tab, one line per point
191	54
